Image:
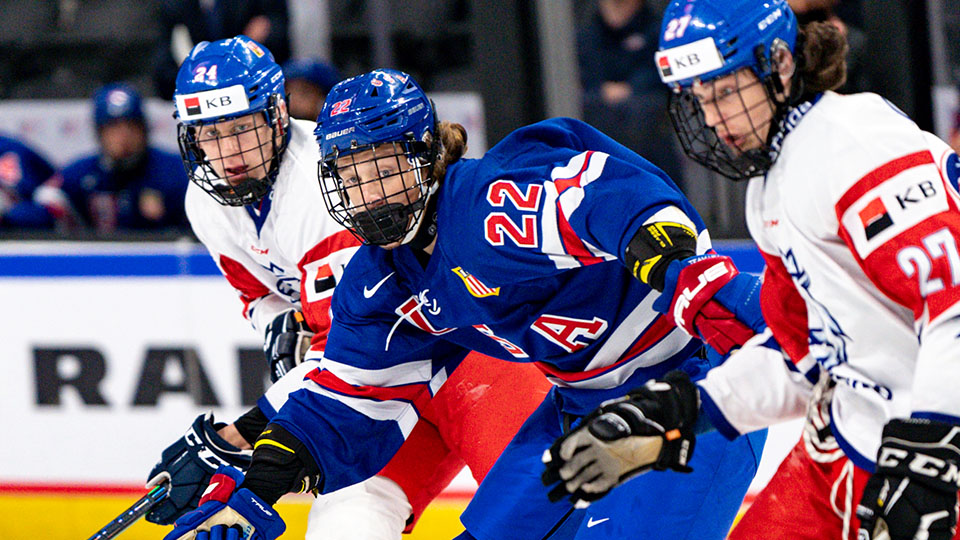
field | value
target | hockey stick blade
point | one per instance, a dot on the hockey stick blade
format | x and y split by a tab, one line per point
158	493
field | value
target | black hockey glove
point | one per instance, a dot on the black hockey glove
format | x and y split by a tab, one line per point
649	428
913	493
286	342
190	462
281	464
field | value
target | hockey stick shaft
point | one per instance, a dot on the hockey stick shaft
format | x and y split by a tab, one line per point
135	512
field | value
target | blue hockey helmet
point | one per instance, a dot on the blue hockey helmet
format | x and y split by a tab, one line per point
703	40
117	101
386	112
222	81
706	39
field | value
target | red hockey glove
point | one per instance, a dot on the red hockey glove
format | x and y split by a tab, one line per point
708	298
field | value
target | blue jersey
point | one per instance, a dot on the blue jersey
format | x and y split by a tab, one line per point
149	197
527	267
22	172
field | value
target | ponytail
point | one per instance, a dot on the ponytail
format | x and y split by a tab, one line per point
822	50
453	144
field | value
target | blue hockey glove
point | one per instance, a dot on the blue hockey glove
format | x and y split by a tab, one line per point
286	341
913	493
228	512
708	298
649	428
190	462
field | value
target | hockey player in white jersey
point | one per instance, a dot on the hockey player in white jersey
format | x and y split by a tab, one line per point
855	210
255	203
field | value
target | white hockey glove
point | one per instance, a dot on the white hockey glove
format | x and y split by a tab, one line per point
913	493
649	428
286	341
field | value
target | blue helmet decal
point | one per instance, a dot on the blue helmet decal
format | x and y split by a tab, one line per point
117	101
381	106
225	79
705	39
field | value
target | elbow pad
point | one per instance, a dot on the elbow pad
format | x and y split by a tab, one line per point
655	246
281	464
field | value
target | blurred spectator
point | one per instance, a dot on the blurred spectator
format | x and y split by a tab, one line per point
307	83
126	185
29	197
265	21
622	92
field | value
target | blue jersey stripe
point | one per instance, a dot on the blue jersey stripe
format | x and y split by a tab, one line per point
192	262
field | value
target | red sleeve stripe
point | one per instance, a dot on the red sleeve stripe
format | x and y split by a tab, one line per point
572	243
784	310
249	287
335	242
574	181
877	176
417	394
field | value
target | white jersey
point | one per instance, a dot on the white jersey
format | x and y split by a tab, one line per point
285	253
858	222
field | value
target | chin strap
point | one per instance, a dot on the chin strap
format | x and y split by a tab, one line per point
426	229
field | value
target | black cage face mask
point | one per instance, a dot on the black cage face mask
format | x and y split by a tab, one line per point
235	164
727	144
378	192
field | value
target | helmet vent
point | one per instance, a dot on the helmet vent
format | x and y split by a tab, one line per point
375	93
253	89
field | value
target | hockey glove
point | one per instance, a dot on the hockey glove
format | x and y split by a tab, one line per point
913	493
227	512
649	428
286	342
708	298
190	462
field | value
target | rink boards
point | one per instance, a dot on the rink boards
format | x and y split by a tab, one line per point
110	351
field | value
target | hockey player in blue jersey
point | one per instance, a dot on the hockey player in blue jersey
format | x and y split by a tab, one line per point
520	255
127	184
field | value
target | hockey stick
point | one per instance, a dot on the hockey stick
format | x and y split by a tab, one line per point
160	491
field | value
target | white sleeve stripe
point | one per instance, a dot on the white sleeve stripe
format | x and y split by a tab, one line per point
671	344
571	198
552	244
597	252
401	412
571	169
419	371
625	333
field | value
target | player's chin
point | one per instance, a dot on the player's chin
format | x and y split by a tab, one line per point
392	245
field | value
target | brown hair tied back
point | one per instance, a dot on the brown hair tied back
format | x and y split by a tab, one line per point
823	51
453	138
